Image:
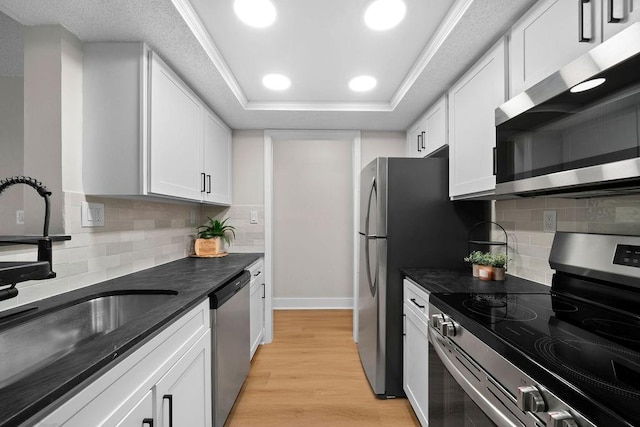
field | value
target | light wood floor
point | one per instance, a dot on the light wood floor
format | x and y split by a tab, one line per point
311	376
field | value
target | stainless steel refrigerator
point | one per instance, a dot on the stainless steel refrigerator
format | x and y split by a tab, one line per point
406	220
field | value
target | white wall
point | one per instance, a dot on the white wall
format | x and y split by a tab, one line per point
313	223
381	144
11	150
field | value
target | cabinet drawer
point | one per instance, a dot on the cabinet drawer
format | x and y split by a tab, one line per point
257	272
417	300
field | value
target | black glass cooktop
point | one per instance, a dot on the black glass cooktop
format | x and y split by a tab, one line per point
596	351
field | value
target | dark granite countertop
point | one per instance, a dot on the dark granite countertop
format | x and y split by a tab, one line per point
194	279
461	281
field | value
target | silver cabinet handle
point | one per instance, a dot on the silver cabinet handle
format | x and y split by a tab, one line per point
423	135
583	34
209	181
204	182
419	138
616	11
147	422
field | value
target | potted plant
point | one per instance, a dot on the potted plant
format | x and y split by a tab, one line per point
485	266
213	236
475	258
499	262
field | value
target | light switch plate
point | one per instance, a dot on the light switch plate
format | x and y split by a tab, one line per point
92	214
20	217
253	217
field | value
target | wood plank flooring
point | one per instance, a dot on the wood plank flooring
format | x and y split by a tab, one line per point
311	376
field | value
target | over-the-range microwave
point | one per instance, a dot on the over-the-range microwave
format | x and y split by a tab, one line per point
558	138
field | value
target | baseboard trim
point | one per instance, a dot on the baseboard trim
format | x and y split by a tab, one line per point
312	303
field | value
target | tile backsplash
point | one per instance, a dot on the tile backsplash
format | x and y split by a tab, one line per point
249	237
529	246
138	234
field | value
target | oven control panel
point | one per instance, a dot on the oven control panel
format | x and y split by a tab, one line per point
628	255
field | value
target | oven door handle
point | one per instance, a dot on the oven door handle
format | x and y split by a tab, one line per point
487	407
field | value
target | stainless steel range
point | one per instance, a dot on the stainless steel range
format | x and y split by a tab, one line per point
570	357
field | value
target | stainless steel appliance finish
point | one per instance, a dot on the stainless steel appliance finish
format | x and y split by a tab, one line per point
567	357
554	142
230	339
504	393
407	220
46	338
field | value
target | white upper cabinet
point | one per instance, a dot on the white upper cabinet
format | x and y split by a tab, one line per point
415	139
175	135
430	131
555	32
217	160
618	15
146	133
549	36
472	134
436	131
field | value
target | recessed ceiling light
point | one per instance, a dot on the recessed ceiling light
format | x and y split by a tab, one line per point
589	84
384	14
362	83
276	81
255	13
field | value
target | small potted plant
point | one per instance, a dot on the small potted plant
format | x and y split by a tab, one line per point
485	267
475	258
213	236
499	262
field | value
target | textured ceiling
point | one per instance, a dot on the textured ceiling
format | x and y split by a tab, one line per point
11	47
159	23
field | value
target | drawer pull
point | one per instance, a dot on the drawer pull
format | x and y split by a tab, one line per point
413	300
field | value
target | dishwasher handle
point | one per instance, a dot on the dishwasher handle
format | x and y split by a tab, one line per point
225	292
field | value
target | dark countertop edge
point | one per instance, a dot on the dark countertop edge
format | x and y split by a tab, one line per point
440	281
65	390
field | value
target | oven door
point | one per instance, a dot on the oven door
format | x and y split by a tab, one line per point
449	404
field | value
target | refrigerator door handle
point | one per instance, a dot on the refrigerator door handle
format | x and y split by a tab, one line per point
372	283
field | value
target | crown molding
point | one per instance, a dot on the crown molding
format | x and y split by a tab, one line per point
204	38
450	22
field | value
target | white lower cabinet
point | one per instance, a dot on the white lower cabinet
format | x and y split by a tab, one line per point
256	304
165	382
416	350
184	393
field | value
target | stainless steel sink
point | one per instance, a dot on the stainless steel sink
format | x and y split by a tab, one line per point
36	343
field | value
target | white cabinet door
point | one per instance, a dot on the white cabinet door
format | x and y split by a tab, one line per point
548	38
416	364
175	137
217	160
257	316
435	123
183	395
416	349
256	304
415	139
141	414
618	15
472	134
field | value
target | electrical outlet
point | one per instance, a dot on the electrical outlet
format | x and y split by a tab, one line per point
20	217
92	214
549	222
253	217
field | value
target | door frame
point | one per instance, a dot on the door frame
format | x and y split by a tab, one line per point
306	135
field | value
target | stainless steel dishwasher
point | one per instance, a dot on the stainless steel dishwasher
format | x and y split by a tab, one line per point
230	341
